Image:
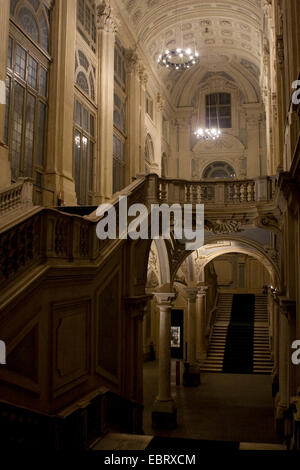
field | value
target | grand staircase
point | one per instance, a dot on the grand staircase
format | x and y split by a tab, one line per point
262	363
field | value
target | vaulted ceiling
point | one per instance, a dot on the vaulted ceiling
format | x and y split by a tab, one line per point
227	34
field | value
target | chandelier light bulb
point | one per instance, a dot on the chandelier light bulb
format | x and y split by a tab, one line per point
178	59
208	134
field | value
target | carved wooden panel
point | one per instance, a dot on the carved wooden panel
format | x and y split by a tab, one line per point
108	328
71	344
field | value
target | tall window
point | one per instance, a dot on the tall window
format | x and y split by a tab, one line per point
84	153
149	105
218	110
33	17
120	128
86	24
27	89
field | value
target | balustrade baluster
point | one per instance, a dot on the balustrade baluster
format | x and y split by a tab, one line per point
188	193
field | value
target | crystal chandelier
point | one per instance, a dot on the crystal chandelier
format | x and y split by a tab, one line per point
178	59
208	134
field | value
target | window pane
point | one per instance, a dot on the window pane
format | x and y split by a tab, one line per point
224	111
77	145
17	128
83	172
20	66
28	23
32	72
8	83
87	19
78	113
92	125
82	82
41	134
91	169
29	133
85	119
225	98
9	55
43	81
80	11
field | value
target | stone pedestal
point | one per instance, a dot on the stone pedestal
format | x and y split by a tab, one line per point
164	412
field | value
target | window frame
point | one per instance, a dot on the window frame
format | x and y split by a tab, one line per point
34	52
88	182
218	120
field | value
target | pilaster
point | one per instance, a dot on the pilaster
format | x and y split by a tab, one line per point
5	174
107	28
59	169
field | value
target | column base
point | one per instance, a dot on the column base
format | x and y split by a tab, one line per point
164	415
191	375
280	419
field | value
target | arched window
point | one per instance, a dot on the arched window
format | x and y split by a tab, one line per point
25	126
85	75
218	110
120	125
86	22
149	149
82	82
33	18
219	170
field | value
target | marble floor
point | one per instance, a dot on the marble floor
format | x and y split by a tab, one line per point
225	407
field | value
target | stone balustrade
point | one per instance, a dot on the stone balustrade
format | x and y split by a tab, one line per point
15	196
216	192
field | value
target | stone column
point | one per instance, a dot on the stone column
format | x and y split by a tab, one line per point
142	133
134	116
107	28
132	379
59	166
4	30
285	365
191	376
201	348
164	409
191	314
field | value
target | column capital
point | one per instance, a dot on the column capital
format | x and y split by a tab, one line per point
165	299
202	291
191	293
105	18
132	60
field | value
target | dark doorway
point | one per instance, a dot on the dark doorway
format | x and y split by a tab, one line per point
177	334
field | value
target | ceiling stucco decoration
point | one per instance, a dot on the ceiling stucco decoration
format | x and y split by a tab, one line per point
232	27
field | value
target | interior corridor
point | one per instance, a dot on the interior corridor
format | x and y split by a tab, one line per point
225	407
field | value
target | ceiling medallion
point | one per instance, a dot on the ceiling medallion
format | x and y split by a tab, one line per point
178	59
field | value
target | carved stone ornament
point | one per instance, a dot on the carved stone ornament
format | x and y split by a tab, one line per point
272	253
223	226
104	16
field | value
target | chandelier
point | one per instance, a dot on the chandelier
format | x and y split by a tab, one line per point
208	134
178	59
